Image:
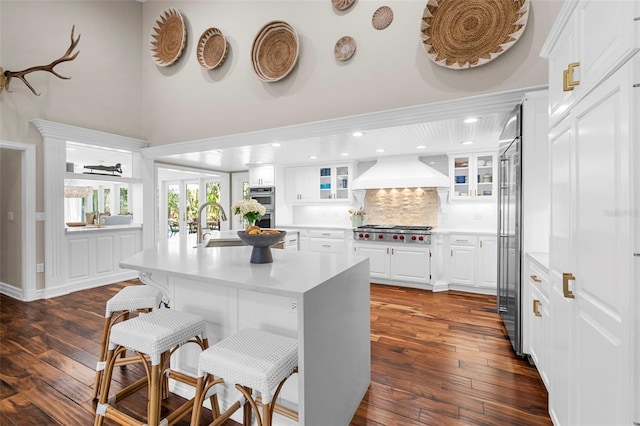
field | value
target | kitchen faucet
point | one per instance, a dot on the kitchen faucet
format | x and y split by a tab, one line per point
223	216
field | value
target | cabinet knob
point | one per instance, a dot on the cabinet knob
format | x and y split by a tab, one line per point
568	82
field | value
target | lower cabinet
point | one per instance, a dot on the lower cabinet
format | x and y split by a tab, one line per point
473	262
94	256
536	317
397	263
327	241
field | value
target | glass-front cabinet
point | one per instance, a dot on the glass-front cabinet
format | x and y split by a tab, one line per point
335	182
473	175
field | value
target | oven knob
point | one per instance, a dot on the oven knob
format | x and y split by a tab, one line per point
395	237
402	237
360	235
421	238
380	236
413	237
366	235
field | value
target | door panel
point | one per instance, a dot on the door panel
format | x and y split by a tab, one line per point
603	262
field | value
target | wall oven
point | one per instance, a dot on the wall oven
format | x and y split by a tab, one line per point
265	195
268	220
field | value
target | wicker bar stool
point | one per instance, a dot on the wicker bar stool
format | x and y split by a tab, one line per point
154	336
138	298
251	360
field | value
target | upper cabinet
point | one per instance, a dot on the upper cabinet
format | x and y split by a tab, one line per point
263	175
323	183
335	182
580	56
301	184
473	176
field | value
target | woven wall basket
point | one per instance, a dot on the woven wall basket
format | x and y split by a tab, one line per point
461	34
275	51
168	37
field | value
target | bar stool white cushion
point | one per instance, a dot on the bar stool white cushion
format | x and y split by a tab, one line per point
157	332
133	298
252	358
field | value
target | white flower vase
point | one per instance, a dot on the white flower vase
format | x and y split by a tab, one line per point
356	220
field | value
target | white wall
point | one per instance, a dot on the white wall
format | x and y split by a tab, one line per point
390	68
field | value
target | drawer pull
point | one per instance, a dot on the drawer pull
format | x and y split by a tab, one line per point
536	308
535	278
462	241
567	77
326	233
566	277
326	245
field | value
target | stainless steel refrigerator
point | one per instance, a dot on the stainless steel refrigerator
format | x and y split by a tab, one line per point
510	227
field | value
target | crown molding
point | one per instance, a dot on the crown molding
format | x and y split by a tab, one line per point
51	129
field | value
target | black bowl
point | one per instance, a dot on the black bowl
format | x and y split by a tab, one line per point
261	243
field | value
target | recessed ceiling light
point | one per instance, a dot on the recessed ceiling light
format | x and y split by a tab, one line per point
313	157
471	120
357	134
380	150
276	144
421	146
344	154
467	142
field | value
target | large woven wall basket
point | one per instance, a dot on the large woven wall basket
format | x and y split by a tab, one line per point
462	34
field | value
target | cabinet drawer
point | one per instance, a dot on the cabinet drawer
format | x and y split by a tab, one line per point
326	245
538	278
327	234
463	240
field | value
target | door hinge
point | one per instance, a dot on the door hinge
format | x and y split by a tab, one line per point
636	85
637	19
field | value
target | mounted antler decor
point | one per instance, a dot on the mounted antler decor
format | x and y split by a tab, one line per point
6	76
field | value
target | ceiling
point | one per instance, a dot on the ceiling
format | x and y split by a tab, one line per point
421	130
424	130
422	139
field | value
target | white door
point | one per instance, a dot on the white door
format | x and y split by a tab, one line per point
488	262
378	259
560	253
462	264
602	391
410	264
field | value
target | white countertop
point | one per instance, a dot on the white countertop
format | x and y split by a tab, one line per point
291	274
70	229
291	226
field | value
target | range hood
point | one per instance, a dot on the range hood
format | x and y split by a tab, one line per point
405	171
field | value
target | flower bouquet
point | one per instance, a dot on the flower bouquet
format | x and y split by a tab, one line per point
251	210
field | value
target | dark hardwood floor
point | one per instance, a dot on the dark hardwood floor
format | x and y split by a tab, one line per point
437	359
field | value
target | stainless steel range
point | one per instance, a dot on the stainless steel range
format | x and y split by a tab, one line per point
394	234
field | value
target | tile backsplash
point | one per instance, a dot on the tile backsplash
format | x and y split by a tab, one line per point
408	206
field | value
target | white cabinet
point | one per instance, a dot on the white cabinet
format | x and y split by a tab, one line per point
536	317
335	182
323	183
592	160
263	175
473	263
94	255
488	261
473	176
580	57
396	262
462	249
301	184
378	255
327	241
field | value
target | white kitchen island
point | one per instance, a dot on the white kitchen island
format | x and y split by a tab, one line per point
320	299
